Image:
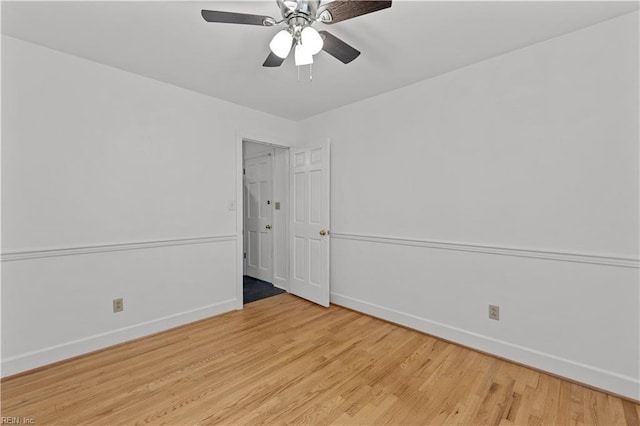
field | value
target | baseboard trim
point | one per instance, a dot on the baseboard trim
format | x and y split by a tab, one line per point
280	283
101	248
31	360
609	381
621	262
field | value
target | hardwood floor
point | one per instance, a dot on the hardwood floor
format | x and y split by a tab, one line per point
284	360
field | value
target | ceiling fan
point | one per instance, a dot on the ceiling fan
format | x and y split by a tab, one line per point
298	16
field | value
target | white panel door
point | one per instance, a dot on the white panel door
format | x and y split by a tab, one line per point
258	217
309	261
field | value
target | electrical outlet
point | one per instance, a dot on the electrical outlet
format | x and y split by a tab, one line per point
118	305
494	312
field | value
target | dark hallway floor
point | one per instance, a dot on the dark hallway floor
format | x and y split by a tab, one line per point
254	289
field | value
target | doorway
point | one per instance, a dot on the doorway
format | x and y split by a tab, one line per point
265	217
300	229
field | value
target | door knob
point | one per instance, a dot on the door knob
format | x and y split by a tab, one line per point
323	232
268	226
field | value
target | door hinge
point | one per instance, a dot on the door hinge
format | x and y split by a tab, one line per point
245	255
244	171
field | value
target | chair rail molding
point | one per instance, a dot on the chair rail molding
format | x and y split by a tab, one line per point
607	260
40	253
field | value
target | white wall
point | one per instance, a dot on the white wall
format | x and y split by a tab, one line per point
251	149
113	185
514	182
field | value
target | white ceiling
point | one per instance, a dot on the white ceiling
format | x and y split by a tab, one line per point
411	41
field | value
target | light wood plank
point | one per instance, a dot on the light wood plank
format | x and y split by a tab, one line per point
284	360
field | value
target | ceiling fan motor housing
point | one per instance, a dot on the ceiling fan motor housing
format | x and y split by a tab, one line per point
305	9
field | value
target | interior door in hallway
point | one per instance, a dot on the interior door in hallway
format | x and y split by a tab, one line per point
310	237
259	216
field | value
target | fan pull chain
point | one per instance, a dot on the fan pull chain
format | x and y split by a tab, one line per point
310	72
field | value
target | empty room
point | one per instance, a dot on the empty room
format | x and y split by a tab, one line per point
320	212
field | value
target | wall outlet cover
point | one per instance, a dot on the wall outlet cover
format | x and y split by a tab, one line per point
494	312
118	305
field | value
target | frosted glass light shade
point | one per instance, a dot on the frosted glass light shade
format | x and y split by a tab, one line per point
281	44
303	55
311	40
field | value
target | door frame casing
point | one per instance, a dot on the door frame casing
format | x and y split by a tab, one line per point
240	138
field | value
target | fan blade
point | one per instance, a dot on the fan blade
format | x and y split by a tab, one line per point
235	18
341	10
338	48
273	60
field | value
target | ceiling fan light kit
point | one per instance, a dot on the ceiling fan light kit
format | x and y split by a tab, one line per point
298	16
281	44
303	55
310	38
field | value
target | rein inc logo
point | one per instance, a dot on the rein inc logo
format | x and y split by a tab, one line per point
17	420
